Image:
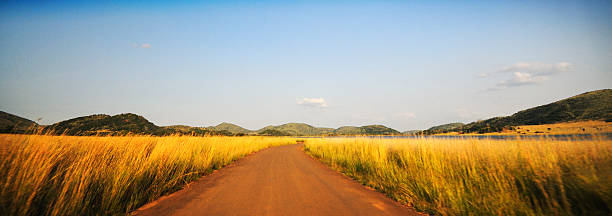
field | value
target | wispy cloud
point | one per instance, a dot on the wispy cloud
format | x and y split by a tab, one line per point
312	102
538	68
520	79
143	45
525	73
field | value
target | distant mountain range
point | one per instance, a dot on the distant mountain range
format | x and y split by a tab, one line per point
297	129
121	124
301	129
595	105
128	123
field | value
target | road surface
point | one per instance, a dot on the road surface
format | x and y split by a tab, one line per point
276	181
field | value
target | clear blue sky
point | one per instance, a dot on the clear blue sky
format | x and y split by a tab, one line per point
404	64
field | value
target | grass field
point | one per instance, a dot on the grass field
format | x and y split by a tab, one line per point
479	177
564	128
66	175
584	127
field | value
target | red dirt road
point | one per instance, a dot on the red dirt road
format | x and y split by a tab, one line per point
276	181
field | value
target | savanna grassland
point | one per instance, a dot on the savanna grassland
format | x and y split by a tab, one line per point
68	175
479	176
564	128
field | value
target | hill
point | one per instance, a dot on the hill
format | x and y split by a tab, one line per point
104	124
441	128
594	105
379	130
301	129
235	129
449	126
349	130
366	130
121	124
128	123
297	129
10	123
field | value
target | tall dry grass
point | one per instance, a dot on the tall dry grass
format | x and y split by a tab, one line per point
479	177
66	175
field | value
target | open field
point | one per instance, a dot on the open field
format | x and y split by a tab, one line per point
66	175
479	177
580	127
584	127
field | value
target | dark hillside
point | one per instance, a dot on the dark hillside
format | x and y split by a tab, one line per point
441	129
594	105
10	123
104	125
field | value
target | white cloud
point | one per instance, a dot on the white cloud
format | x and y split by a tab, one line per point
520	79
312	102
525	73
537	68
143	45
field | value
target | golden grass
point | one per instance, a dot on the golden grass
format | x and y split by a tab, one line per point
581	127
479	176
584	127
66	175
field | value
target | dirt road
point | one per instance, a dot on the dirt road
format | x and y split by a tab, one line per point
276	181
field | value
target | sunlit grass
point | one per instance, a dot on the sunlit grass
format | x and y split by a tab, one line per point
67	175
479	177
563	128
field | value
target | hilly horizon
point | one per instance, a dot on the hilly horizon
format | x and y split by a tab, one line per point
594	105
231	128
129	123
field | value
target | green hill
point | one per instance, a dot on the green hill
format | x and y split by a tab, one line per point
129	123
366	130
122	124
379	130
441	128
298	129
594	105
10	123
235	129
103	124
446	126
301	129
349	130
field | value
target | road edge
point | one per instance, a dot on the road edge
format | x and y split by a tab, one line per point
399	204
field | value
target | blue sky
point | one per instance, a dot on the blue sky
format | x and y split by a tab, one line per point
404	64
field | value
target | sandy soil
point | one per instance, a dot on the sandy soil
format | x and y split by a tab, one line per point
276	181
